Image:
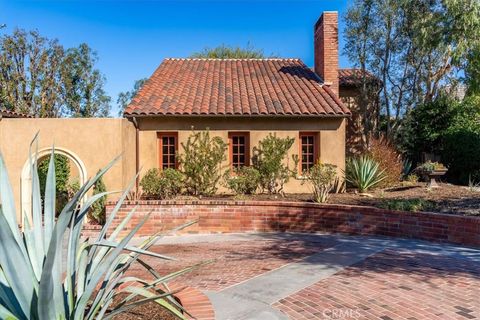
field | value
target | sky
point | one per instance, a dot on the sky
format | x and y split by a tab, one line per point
132	38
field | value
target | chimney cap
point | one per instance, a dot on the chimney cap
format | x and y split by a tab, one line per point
320	19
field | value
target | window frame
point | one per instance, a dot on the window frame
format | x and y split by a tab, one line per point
160	136
244	134
316	142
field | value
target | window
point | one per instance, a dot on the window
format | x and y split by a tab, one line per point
308	150
168	145
239	149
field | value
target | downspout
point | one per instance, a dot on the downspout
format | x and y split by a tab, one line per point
137	152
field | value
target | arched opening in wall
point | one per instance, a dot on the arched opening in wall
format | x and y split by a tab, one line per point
70	175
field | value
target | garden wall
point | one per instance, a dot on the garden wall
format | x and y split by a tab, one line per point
268	216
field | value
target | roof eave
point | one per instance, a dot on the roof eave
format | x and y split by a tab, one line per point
346	115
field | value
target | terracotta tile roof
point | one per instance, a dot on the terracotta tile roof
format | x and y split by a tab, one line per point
235	87
4	113
350	77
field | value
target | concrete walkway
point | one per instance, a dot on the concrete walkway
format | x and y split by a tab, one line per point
252	299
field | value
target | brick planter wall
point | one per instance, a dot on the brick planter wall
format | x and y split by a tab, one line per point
269	216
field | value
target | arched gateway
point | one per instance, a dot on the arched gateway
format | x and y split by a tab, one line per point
26	178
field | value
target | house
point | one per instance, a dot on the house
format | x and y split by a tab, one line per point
243	101
4	113
239	100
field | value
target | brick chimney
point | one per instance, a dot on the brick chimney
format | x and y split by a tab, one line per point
326	49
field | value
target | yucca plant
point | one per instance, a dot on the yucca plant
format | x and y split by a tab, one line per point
363	173
37	282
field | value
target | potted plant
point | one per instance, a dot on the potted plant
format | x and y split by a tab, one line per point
432	171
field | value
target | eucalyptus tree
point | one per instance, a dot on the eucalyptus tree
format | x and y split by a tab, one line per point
124	98
38	76
230	52
416	48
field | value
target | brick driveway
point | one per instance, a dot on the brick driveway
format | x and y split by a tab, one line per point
235	261
392	283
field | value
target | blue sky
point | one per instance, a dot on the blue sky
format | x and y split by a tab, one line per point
133	37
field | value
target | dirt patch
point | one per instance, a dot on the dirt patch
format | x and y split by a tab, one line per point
448	198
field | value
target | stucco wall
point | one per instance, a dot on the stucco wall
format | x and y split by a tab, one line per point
94	141
331	132
97	141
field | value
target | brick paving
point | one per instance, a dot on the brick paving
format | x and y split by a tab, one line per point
235	261
393	285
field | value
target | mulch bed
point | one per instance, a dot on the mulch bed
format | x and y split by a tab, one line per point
148	311
451	199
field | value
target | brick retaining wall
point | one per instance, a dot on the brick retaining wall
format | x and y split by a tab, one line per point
269	216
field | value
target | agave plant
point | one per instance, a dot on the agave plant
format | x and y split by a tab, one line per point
38	282
363	173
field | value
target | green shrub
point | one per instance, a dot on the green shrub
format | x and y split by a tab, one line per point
162	184
73	186
39	282
201	162
322	179
269	159
363	173
424	127
461	150
407	204
62	172
244	180
62	175
97	211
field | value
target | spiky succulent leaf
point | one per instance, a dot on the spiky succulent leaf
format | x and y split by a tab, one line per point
364	173
34	284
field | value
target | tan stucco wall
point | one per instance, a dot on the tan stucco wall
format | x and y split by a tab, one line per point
98	141
95	141
331	137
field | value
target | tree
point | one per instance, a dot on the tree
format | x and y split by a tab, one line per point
230	52
39	77
472	72
124	98
415	48
30	77
83	84
424	127
461	142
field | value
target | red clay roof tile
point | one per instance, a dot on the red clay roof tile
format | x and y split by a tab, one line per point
235	87
351	77
4	113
